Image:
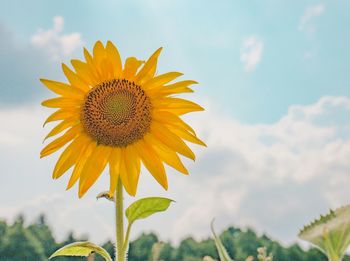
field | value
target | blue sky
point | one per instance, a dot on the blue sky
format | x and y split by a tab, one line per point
274	77
204	40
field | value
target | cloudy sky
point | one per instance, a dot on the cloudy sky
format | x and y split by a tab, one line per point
274	79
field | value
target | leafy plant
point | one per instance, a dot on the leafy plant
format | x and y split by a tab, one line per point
224	256
81	249
330	233
219	246
140	209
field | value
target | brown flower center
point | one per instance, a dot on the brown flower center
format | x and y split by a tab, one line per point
116	113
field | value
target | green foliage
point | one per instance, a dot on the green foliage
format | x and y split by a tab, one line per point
18	243
81	249
167	252
156	248
141	248
141	209
3	228
330	233
43	233
223	255
30	243
263	256
146	207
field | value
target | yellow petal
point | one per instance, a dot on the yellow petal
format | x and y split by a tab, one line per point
70	156
106	69
88	57
61	141
93	168
149	75
131	67
175	88
176	105
114	166
62	114
124	173
114	57
132	164
171	140
63	89
160	80
166	154
61	102
61	127
187	136
178	126
84	71
99	52
74	79
152	162
171	119
90	63
81	161
149	67
181	84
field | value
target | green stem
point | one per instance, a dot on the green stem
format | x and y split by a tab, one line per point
120	253
334	257
126	241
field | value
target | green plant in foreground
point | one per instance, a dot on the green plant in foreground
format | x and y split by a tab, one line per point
140	209
224	256
330	233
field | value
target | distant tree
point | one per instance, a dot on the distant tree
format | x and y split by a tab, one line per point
167	253
141	248
207	248
43	233
20	244
296	253
188	250
3	228
227	238
245	244
315	255
36	243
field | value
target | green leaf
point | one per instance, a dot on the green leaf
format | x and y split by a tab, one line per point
81	249
330	233
219	246
146	207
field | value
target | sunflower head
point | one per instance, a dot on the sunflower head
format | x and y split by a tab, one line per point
119	116
116	113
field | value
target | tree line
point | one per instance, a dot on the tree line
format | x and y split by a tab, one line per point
35	242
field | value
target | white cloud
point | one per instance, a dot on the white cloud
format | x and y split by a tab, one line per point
306	21
21	67
57	44
251	52
274	177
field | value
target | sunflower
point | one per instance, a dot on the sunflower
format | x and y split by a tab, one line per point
118	116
